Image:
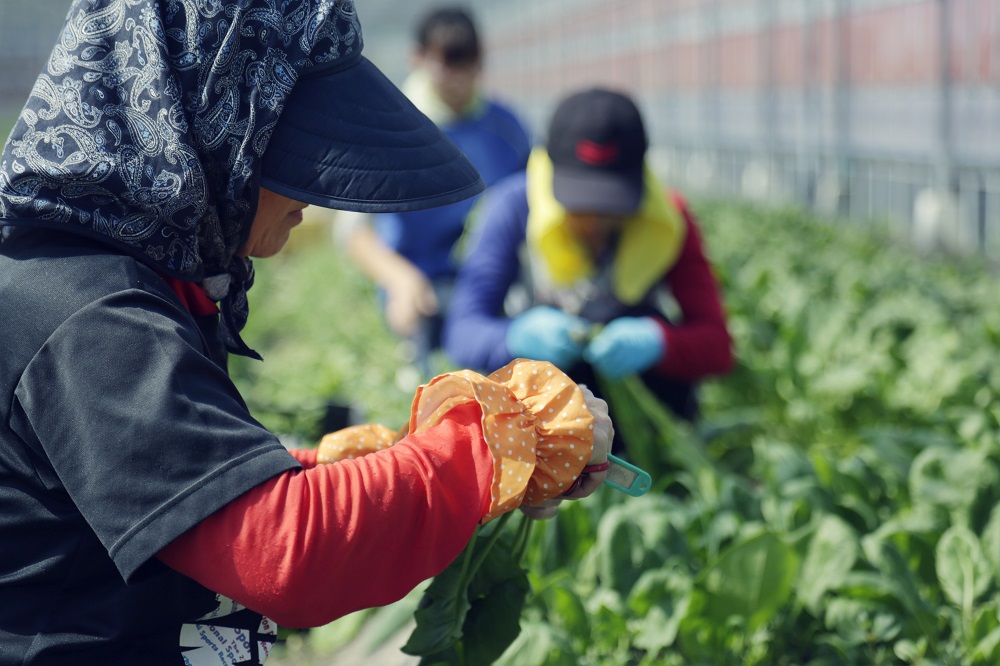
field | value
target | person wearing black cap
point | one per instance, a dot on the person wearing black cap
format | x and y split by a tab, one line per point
146	517
572	259
410	255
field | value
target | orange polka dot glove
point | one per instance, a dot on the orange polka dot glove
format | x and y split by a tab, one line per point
535	422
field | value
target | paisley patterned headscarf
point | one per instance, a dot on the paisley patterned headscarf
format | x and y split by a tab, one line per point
147	127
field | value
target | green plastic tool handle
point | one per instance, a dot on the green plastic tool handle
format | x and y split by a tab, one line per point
626	477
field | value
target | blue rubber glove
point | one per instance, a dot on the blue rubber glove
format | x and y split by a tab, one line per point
625	346
547	334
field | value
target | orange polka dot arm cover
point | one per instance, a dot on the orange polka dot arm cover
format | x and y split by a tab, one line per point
535	423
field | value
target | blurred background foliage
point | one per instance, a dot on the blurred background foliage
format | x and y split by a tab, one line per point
314	318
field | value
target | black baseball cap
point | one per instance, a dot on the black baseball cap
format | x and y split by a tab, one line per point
597	144
349	139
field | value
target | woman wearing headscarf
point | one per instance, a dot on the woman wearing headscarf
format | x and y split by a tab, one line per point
145	516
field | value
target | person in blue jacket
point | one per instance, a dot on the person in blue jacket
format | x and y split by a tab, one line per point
410	255
585	260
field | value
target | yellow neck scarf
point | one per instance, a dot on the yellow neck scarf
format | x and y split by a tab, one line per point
649	245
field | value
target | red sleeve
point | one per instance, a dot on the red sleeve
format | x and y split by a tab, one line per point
700	344
306	457
307	547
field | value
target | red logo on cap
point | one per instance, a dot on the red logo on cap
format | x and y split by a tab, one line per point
596	154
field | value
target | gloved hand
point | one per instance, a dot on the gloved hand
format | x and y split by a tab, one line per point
546	334
625	346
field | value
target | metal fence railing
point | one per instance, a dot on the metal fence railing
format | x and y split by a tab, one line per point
899	197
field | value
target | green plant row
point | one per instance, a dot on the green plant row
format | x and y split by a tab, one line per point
837	503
